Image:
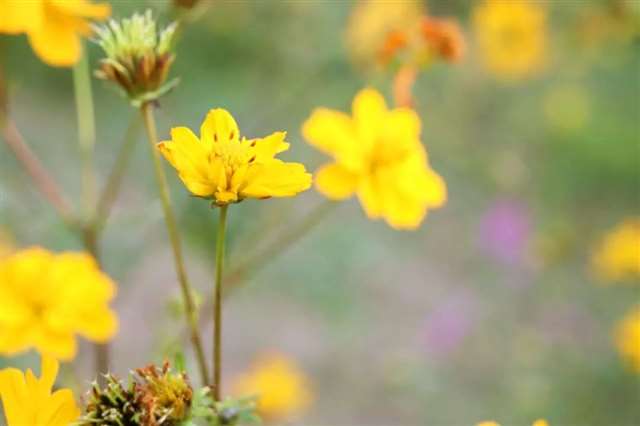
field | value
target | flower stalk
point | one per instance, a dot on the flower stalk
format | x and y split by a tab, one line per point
86	130
174	238
217	304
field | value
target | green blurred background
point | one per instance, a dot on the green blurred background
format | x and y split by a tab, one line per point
488	311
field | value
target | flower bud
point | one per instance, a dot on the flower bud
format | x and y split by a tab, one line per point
138	56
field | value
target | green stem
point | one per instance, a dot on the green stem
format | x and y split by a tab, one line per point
174	238
86	142
114	182
86	130
217	305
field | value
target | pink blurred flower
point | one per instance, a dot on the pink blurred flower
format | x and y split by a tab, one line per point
449	324
504	230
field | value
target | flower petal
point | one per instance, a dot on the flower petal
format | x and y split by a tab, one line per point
276	179
56	41
19	17
60	408
219	126
369	110
267	148
333	132
336	182
15	397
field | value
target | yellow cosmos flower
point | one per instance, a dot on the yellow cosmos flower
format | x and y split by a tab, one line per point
226	168
28	400
54	27
46	299
617	258
627	337
281	387
511	36
379	157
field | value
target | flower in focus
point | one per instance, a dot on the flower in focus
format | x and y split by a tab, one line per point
617	258
54	27
505	231
46	299
282	388
378	156
511	36
227	168
138	56
28	400
627	338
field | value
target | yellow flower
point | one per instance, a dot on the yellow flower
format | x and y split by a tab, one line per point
617	258
511	36
282	388
46	299
226	168
379	157
28	400
627	338
54	27
538	422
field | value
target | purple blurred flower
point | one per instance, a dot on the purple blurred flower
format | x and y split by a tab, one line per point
504	231
447	326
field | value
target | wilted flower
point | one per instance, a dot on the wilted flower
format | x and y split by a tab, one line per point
617	258
153	397
281	387
28	400
627	338
138	56
379	157
54	28
46	299
226	168
511	36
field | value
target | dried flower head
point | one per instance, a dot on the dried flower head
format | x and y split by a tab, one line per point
153	397
138	56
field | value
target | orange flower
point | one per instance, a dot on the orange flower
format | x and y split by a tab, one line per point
444	38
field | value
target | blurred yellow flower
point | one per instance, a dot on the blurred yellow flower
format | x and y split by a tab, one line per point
379	157
281	387
222	166
627	338
54	27
617	258
47	298
511	36
28	400
539	422
373	21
